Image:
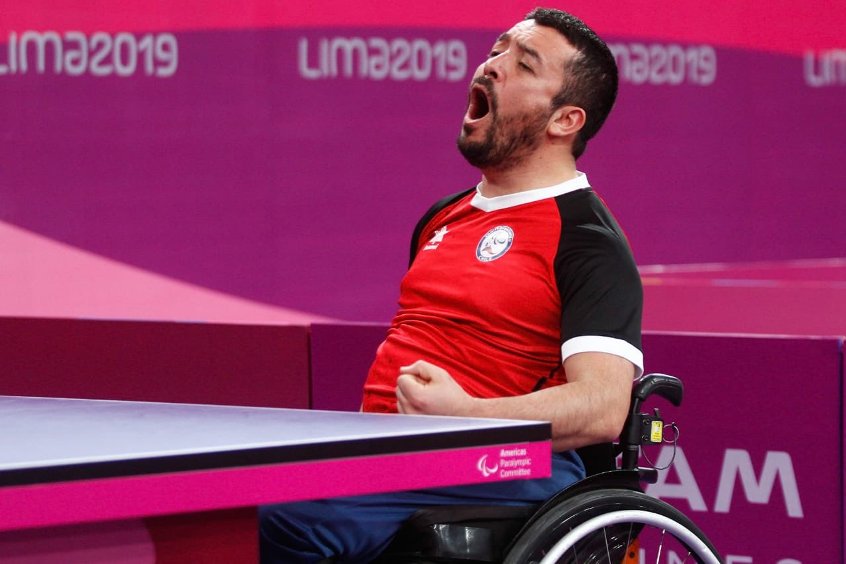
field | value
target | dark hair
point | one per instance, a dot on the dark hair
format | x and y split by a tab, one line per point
591	76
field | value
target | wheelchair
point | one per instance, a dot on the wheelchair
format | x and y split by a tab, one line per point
605	518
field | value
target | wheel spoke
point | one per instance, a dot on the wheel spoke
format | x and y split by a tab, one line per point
660	546
575	554
629	537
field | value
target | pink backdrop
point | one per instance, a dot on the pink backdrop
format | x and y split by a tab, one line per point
267	162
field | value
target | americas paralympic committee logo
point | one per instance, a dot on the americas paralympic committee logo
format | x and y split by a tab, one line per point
512	463
483	467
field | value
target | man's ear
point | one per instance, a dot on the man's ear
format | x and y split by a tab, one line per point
566	120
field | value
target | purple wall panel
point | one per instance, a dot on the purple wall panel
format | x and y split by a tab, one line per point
770	408
341	355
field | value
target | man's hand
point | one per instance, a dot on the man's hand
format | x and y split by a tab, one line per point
426	389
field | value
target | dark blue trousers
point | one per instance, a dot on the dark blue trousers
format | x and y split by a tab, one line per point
358	529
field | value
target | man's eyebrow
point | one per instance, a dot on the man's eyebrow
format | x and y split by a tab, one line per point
523	47
531	52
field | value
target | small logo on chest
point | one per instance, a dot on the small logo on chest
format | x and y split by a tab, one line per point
495	243
437	239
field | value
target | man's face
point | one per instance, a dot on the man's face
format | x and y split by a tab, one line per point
510	96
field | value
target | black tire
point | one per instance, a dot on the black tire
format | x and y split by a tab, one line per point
608	521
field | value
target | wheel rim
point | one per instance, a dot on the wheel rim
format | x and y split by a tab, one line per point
664	526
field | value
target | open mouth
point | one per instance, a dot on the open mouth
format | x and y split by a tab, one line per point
479	105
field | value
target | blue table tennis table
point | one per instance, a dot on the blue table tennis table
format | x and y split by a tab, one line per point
76	464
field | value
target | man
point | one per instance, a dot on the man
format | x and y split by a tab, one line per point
522	299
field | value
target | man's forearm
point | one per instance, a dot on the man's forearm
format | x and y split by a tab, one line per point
581	413
590	408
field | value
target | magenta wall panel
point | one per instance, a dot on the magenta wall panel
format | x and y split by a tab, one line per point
760	466
259	365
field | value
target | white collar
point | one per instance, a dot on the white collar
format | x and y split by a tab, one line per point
527	196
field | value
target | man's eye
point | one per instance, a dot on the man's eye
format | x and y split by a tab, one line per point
493	54
525	66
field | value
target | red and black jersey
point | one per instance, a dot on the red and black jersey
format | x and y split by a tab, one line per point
501	290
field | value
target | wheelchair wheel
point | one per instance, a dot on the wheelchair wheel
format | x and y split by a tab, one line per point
611	527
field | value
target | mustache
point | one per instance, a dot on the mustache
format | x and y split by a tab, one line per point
484	81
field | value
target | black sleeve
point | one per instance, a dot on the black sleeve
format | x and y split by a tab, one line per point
600	287
427	217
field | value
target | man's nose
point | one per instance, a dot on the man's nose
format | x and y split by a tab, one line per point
493	67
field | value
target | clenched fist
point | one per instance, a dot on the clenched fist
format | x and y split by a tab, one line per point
426	389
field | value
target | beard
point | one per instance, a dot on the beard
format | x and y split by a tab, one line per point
508	140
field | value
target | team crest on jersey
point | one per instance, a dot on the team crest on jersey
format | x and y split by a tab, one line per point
495	243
